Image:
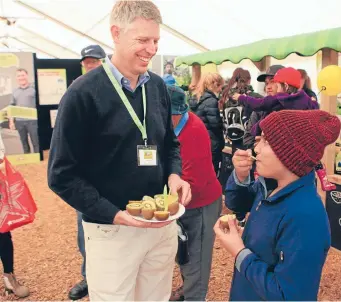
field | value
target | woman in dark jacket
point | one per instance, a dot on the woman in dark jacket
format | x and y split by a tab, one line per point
205	105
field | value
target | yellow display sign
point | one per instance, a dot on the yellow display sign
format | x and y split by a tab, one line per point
24	159
21	112
8	60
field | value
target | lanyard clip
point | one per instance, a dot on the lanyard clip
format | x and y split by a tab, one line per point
145	142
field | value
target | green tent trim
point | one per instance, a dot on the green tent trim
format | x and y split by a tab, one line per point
304	45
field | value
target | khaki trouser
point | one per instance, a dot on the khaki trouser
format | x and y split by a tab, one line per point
129	264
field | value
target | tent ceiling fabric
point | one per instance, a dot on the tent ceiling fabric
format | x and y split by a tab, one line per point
303	45
215	24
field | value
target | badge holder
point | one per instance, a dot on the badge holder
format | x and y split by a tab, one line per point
146	155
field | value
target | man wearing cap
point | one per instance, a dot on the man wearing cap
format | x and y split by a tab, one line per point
205	207
270	89
92	56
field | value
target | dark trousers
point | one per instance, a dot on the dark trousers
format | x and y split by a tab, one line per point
6	252
28	128
199	224
81	243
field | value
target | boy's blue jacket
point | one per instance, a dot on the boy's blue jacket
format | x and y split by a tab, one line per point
287	238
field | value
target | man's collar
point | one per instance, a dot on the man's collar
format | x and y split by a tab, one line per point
124	82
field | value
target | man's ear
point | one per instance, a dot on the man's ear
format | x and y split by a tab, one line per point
115	33
286	86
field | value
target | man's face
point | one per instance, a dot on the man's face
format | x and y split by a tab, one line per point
169	69
137	44
22	78
90	63
270	86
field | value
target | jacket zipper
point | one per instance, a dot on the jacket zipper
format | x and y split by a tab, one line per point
259	204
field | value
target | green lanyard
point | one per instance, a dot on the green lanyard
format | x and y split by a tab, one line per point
126	102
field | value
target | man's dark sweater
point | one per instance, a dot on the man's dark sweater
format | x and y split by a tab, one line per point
93	154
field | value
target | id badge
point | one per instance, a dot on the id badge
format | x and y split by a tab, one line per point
147	155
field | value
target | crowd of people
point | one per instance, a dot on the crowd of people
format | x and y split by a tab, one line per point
280	236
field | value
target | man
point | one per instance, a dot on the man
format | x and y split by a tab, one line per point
25	96
205	207
168	76
109	123
92	56
270	89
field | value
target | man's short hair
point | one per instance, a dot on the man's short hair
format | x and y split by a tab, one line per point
125	12
22	69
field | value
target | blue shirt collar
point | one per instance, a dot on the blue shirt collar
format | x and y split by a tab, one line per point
182	123
305	180
124	82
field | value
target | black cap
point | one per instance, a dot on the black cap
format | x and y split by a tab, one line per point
93	51
271	71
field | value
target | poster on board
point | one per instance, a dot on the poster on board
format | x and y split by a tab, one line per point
52	85
18	118
333	208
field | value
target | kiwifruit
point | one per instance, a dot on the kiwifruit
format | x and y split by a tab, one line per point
135	201
147	198
149	204
148	213
224	220
160	204
161	215
134	209
173	208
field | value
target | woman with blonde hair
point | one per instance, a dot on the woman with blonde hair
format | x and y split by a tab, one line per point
204	104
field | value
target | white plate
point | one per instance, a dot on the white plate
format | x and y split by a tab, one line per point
170	218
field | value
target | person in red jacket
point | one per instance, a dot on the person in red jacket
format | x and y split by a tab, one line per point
205	207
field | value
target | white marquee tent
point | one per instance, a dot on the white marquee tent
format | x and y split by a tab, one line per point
61	28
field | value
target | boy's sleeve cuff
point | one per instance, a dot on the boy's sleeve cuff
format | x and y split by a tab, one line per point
245	183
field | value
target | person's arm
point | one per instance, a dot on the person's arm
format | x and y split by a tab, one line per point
249	139
302	250
239	196
258	104
67	157
172	145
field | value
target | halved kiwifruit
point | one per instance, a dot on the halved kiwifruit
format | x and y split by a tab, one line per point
224	220
173	208
160	204
134	209
148	209
161	215
135	201
146	197
173	204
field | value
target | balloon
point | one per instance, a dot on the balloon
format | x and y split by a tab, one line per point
329	80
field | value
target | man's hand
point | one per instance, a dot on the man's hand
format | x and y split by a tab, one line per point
123	218
231	241
11	124
181	187
242	163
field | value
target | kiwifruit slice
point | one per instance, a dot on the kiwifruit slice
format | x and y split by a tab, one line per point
148	213
145	198
160	204
173	208
134	209
224	220
149	204
161	215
